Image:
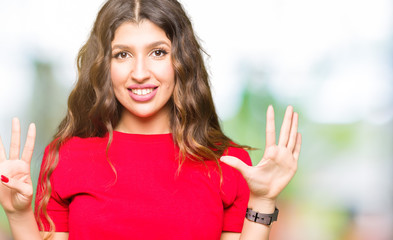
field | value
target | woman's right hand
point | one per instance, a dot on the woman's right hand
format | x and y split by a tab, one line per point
16	188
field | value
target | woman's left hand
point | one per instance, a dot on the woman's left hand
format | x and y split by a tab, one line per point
272	174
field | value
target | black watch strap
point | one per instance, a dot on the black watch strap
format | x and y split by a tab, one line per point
263	218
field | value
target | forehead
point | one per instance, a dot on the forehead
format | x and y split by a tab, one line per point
139	34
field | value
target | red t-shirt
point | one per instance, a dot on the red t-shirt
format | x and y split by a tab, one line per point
150	198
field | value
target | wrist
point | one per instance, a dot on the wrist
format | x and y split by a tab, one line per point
262	204
19	215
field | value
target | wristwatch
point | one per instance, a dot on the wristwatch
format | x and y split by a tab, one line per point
263	218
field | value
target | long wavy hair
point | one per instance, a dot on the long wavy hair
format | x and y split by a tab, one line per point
93	110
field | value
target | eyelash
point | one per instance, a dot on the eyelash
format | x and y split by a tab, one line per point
161	52
118	55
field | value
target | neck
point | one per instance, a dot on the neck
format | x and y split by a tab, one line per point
156	124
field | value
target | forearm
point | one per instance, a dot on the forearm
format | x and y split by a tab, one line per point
252	230
24	226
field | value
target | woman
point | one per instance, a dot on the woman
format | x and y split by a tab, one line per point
139	154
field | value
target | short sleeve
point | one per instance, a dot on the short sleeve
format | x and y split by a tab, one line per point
57	208
237	199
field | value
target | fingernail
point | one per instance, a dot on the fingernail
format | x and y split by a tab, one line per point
4	179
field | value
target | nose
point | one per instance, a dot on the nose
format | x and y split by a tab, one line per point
140	70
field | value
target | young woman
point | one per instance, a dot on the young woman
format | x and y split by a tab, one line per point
140	154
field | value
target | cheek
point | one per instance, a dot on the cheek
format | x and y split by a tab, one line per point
118	73
167	73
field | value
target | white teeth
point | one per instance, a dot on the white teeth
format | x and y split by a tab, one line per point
142	91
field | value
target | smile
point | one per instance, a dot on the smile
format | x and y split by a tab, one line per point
142	92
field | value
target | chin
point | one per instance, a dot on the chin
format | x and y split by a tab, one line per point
143	115
147	114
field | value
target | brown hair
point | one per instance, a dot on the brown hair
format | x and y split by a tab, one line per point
93	110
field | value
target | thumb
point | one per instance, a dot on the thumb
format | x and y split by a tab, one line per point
18	186
235	163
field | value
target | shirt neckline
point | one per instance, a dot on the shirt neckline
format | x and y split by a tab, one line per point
142	137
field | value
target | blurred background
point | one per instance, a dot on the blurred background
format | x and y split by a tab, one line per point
331	59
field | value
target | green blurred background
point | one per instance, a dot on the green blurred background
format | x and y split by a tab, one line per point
332	60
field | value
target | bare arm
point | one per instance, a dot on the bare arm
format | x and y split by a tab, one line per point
24	227
252	230
271	175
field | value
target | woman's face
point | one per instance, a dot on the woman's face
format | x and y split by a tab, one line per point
141	70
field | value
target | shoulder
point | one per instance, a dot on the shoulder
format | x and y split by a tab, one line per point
84	144
77	147
234	190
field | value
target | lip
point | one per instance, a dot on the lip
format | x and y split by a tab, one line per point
142	98
140	86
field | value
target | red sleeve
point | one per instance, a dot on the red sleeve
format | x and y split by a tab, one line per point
235	210
57	208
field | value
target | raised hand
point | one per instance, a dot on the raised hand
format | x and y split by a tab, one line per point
16	189
272	174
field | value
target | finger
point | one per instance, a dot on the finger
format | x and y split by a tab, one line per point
3	155
18	186
15	139
29	145
270	127
293	134
286	127
296	152
235	163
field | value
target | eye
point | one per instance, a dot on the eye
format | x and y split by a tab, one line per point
159	53
121	55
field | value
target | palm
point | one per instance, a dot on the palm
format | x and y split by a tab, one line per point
279	163
16	194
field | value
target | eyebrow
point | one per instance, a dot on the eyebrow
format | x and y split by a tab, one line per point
151	45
